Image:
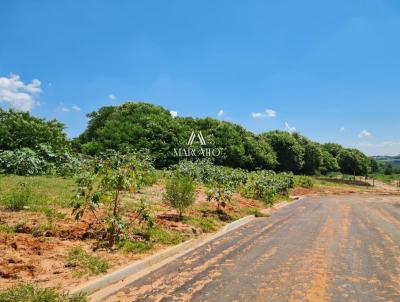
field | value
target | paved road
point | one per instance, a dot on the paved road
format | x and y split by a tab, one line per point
339	248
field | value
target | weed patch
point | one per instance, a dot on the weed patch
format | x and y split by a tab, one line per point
134	246
86	263
207	224
25	292
162	236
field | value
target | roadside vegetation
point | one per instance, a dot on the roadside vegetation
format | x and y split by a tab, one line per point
26	292
85	206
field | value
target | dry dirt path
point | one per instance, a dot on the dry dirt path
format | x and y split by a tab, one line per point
337	248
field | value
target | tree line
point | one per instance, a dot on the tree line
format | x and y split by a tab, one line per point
144	126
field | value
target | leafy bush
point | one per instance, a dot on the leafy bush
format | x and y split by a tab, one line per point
265	185
180	192
25	292
207	173
86	263
220	194
27	162
304	181
145	215
22	162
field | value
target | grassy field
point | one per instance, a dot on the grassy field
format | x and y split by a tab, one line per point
39	190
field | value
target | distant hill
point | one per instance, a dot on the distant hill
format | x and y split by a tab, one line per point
393	160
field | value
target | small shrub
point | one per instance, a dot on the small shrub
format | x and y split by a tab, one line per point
88	264
26	292
134	246
180	192
145	215
267	185
221	195
304	181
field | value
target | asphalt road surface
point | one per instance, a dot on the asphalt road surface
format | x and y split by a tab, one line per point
338	248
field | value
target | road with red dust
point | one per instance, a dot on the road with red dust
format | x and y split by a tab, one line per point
336	248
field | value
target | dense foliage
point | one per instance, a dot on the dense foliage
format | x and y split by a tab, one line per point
142	125
265	185
146	126
222	182
32	146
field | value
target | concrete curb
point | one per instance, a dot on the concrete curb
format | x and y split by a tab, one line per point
106	285
151	263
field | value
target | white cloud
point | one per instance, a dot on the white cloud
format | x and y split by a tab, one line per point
364	134
267	113
289	128
173	113
18	94
256	115
270	113
111	97
65	109
342	129
221	112
76	108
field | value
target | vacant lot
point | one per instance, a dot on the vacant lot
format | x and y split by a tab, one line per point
41	241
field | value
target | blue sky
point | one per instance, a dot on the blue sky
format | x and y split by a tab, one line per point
329	69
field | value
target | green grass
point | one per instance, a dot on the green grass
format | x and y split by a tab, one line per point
389	179
256	212
25	292
319	182
11	228
20	197
134	246
86	263
163	236
44	190
207	224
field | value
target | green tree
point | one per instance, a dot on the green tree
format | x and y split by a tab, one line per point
352	161
333	149
137	125
329	163
290	153
312	158
21	130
